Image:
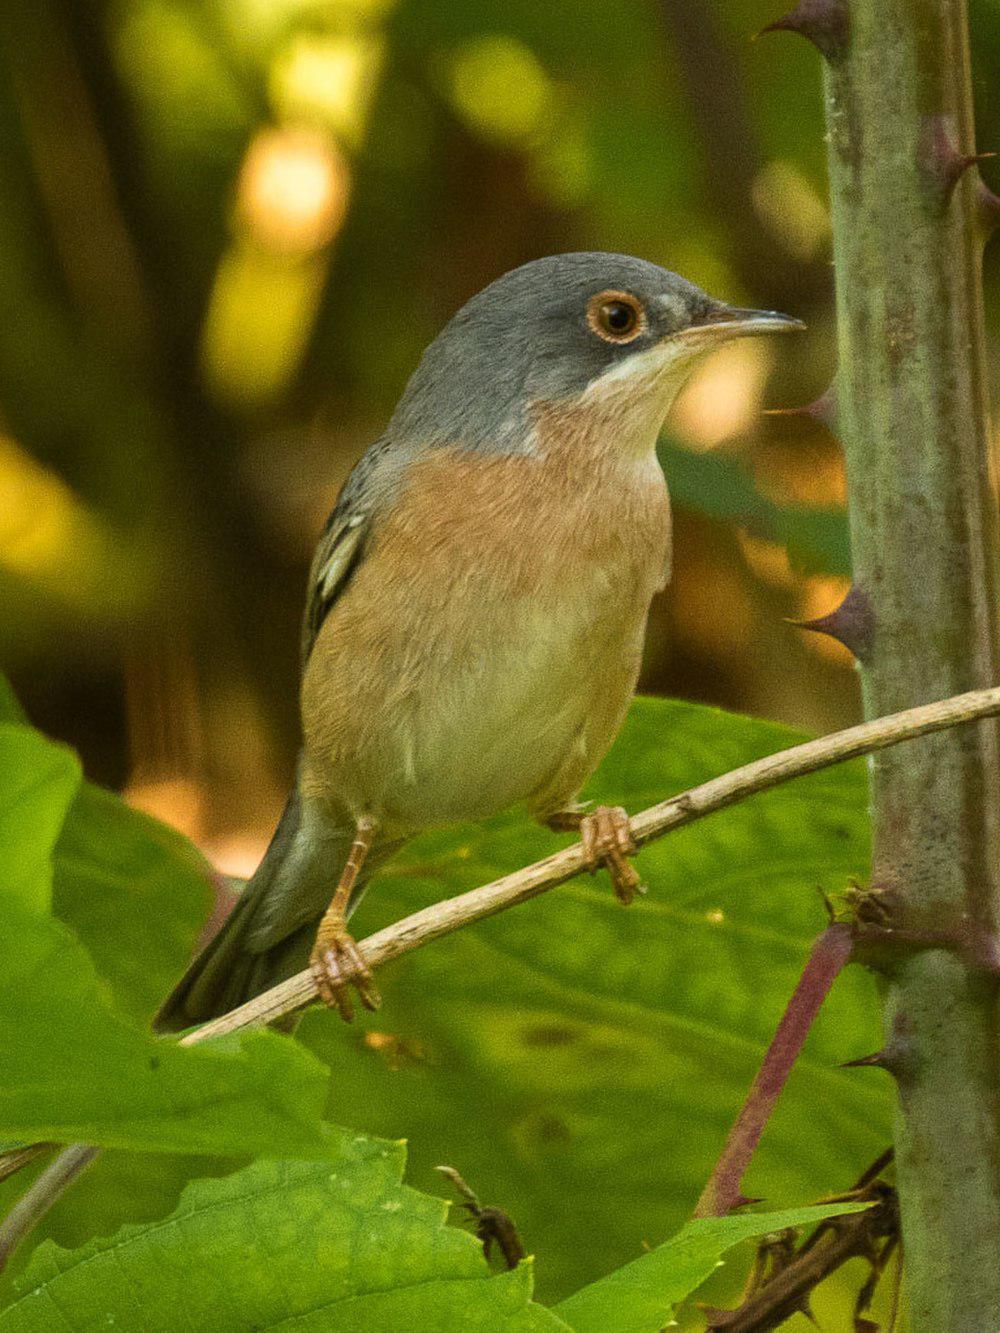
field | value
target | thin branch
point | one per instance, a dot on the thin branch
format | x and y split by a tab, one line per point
32	1206
718	793
830	954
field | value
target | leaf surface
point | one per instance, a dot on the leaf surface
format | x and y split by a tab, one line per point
341	1245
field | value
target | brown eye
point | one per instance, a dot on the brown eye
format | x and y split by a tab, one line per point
616	317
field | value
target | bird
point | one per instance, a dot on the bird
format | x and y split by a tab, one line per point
476	605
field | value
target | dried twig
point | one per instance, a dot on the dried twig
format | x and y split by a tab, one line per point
784	1276
453	913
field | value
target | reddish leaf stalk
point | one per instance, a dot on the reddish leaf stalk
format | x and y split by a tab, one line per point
829	955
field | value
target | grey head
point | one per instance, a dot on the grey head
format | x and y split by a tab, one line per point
555	330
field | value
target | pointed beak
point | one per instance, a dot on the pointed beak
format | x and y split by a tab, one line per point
722	322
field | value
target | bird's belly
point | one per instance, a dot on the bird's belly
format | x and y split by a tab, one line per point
521	711
494	731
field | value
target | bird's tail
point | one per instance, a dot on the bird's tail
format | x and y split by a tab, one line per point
270	931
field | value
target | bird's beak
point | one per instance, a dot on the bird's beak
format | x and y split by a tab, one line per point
722	322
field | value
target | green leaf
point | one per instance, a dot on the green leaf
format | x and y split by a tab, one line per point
135	892
10	708
72	1068
581	1063
343	1246
37	782
640	1298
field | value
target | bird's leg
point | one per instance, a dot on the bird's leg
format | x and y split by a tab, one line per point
607	840
335	961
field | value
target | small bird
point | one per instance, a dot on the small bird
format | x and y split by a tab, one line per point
477	604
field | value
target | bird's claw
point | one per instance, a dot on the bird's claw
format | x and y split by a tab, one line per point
607	841
337	964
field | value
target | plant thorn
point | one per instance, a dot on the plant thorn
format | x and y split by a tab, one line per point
822	409
877	1060
942	163
851	623
822	22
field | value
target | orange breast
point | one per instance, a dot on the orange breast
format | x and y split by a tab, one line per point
506	588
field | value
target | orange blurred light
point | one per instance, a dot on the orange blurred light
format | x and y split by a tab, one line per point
238	854
802	473
723	396
712	613
293	190
768	560
178	802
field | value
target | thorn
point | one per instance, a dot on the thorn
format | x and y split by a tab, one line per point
806	1309
822	409
877	1060
822	22
744	1201
942	163
851	623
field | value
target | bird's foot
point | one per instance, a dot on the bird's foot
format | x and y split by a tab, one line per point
607	841
337	965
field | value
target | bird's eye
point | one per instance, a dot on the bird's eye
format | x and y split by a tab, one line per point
617	317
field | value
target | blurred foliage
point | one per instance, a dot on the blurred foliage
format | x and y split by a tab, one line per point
227	231
581	1064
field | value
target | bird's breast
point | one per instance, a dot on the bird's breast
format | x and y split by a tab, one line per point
491	635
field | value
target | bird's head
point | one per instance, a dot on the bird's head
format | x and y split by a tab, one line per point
603	335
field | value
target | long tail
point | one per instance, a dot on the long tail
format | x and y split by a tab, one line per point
269	933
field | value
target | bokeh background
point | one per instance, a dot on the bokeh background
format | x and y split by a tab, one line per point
227	230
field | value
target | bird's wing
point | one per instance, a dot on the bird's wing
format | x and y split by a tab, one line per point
338	552
371	486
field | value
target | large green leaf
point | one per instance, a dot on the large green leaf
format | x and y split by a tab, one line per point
641	1297
37	782
341	1245
134	891
72	1068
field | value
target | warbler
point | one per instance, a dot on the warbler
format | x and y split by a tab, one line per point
477	604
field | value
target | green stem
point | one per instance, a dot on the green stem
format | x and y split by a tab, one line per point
912	411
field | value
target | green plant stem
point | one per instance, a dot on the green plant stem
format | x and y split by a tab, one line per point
913	418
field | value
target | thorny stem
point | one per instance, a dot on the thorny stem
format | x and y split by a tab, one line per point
452	914
913	417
